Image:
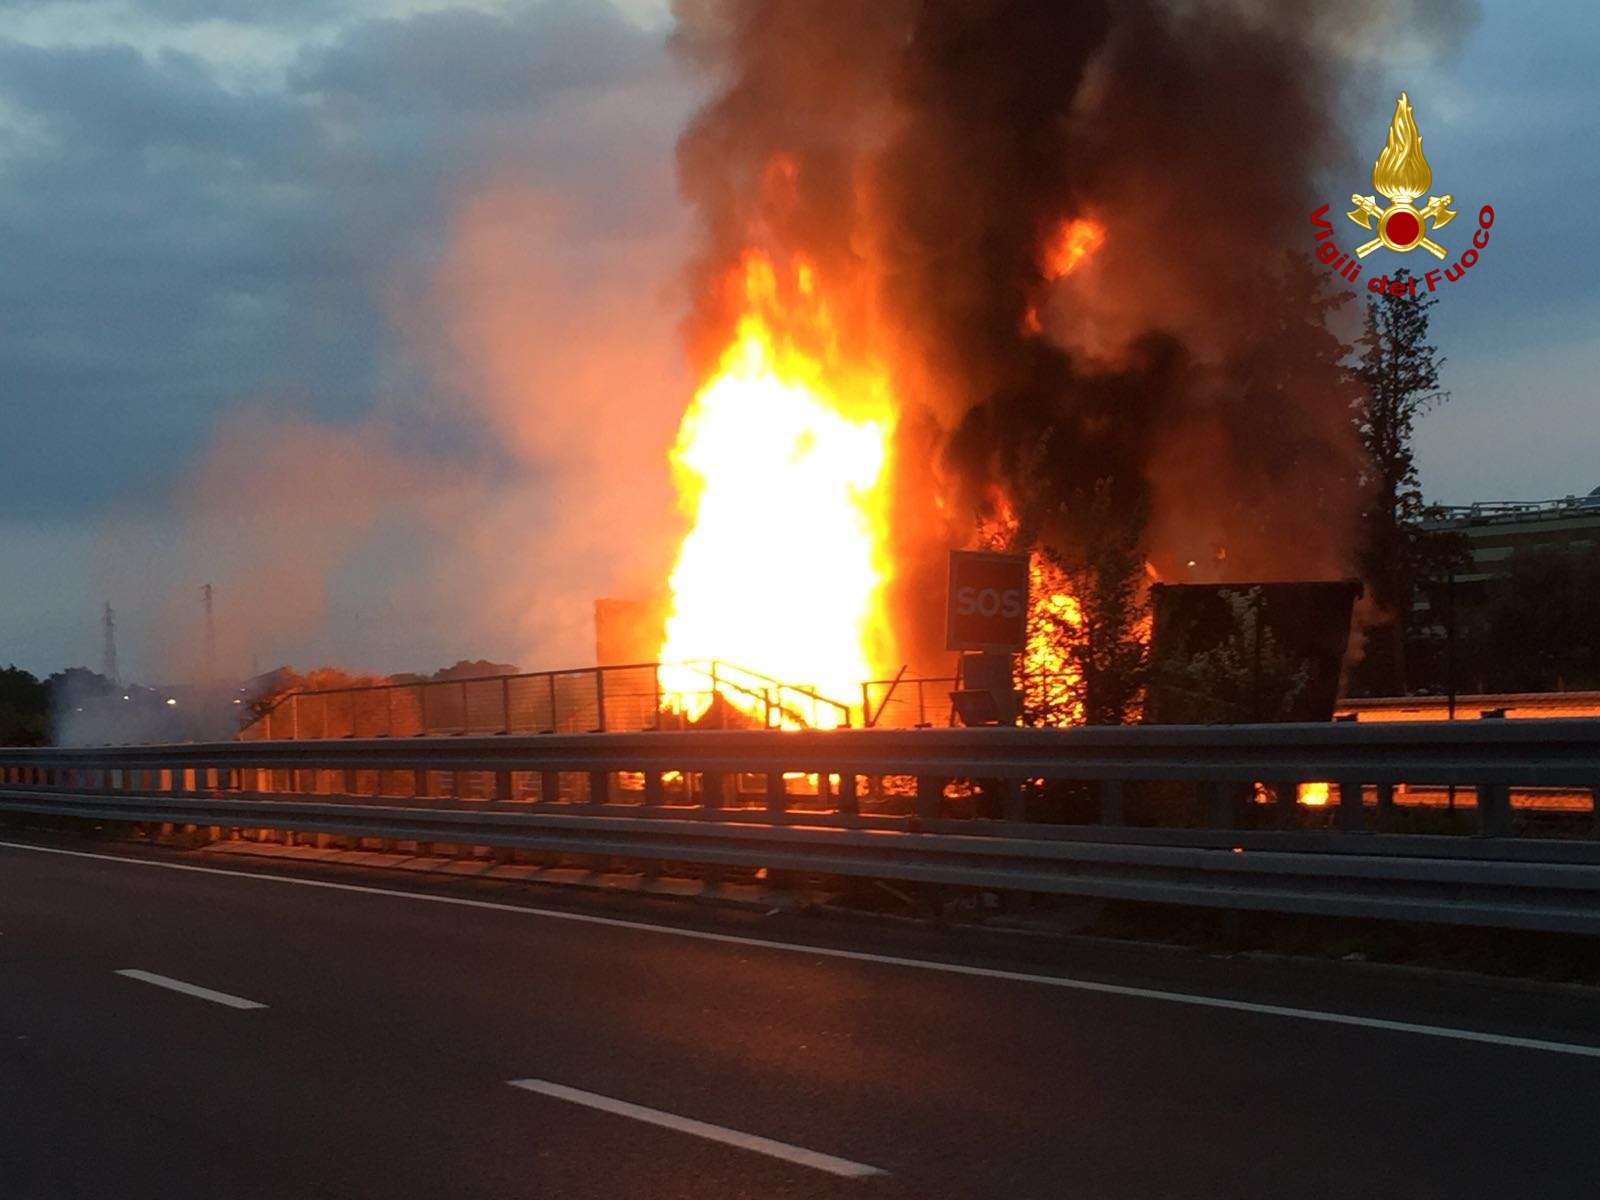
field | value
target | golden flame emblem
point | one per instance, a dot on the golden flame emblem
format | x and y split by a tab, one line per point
1402	174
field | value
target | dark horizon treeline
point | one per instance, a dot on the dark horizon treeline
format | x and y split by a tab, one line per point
78	705
1534	629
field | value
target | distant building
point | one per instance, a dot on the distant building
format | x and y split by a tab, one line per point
1497	531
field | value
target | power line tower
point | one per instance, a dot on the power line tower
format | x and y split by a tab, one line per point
109	660
211	635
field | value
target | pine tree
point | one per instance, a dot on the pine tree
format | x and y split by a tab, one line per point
1398	370
1097	640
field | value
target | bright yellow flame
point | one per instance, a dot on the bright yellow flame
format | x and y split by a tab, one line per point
780	466
1052	679
1314	795
1072	243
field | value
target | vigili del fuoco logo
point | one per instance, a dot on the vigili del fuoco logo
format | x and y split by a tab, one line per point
1401	175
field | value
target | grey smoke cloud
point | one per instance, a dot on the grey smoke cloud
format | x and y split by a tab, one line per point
232	314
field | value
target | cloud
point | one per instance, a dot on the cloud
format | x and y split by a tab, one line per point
181	12
186	253
469	62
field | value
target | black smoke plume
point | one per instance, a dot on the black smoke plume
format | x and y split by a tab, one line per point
924	154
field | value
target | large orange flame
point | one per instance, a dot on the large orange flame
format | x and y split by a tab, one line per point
1049	675
1073	242
1070	244
780	465
1051	680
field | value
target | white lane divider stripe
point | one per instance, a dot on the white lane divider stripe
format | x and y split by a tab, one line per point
714	1133
1064	982
188	989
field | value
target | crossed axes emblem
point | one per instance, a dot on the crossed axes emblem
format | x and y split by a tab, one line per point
1394	230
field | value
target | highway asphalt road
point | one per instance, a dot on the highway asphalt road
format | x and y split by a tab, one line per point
287	1032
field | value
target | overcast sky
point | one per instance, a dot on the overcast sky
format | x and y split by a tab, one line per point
227	224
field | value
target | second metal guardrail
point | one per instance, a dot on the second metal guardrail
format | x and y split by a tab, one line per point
820	805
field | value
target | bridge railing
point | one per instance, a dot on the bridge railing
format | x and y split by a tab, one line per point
629	697
1175	810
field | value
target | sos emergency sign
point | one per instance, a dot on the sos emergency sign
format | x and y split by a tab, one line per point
988	601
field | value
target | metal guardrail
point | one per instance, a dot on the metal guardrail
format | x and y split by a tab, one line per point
674	796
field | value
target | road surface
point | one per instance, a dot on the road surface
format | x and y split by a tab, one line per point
234	1031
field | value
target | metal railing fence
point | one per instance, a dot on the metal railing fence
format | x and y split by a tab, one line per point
887	804
626	698
923	701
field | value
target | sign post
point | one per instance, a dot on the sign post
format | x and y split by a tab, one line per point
986	612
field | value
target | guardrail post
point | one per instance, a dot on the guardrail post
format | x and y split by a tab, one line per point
1350	817
848	804
1385	799
930	792
653	797
502	787
420	791
713	789
1494	809
599	787
1216	803
1494	799
549	787
1286	802
1013	804
1110	791
777	794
